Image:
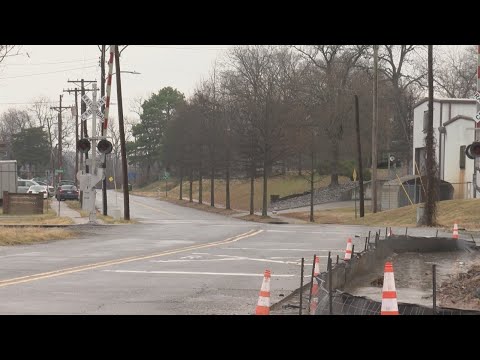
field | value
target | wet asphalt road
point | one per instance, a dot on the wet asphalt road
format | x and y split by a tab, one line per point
177	260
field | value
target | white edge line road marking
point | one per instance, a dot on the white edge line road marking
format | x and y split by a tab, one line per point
196	273
190	260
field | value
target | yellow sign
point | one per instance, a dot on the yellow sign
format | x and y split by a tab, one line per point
354	175
110	178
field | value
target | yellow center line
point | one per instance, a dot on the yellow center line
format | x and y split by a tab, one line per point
74	269
152	208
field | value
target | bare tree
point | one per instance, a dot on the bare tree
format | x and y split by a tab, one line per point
456	73
336	64
8	50
45	117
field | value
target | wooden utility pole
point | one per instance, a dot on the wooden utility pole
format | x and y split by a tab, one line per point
102	93
374	128
83	106
76	128
359	152
59	109
126	203
430	203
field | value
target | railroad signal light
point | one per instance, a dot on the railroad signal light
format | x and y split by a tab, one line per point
104	146
83	146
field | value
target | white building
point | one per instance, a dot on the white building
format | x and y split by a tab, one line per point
453	124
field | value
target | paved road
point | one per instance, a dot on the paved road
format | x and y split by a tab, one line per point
176	261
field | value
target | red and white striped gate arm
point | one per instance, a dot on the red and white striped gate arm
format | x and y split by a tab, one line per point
109	89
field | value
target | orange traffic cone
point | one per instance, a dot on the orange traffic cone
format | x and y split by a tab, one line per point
263	304
348	251
314	293
389	294
455	231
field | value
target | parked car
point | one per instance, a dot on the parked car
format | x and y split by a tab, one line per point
67	192
37	189
23	185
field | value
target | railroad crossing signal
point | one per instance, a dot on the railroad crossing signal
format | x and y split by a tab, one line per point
92	107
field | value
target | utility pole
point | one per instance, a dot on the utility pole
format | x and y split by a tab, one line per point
102	93
76	129
430	203
374	128
59	109
83	126
126	204
359	151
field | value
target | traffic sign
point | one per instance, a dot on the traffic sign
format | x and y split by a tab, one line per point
86	114
110	178
354	175
58	171
166	175
477	96
478	116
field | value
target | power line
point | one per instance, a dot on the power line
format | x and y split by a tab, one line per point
50	72
54	63
179	48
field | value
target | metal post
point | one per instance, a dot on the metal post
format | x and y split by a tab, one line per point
369	236
436	235
330	295
311	281
337	258
434	281
353	250
374	129
366	241
406	230
301	287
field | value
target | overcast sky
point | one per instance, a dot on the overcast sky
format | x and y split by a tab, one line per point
46	69
43	70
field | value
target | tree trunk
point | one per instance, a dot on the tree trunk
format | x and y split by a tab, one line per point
181	184
200	187
299	164
212	187
265	178
312	169
252	187
334	165
190	191
227	190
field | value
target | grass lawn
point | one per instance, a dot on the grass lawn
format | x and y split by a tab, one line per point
464	212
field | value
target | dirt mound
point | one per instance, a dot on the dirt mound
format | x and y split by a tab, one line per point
462	290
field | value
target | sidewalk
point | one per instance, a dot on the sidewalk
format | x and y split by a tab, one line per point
67	212
242	213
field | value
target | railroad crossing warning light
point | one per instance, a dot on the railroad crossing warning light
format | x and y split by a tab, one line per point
105	146
473	150
83	146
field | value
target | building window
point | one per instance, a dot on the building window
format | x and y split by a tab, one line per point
425	120
462	157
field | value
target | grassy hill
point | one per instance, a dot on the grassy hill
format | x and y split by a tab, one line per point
465	212
239	189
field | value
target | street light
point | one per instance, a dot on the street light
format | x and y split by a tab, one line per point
128	72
